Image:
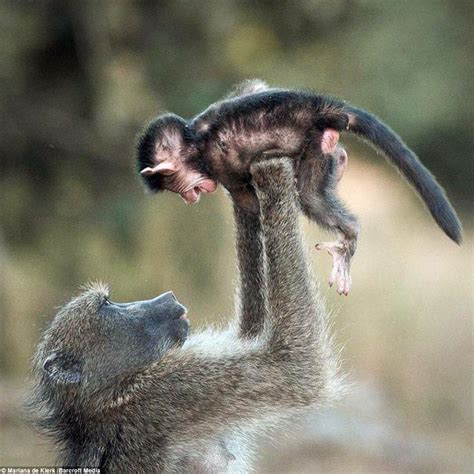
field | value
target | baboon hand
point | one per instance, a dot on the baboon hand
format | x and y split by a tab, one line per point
246	199
273	174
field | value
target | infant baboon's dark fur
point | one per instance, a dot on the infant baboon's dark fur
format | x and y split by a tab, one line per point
219	144
123	388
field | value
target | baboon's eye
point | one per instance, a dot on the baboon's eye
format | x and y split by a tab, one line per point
106	301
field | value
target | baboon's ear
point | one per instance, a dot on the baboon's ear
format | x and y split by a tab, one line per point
166	168
62	368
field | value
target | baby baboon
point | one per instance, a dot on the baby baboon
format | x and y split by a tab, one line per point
122	386
218	145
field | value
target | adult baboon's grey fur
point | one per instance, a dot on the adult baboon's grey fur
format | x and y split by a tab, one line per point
122	387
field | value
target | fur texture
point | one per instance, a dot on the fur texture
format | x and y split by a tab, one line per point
255	122
121	388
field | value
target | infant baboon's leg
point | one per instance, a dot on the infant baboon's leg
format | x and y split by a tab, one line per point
342	251
317	179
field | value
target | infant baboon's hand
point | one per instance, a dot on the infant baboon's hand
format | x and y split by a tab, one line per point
273	174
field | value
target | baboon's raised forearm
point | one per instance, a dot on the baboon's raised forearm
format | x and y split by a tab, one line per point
251	304
294	304
211	388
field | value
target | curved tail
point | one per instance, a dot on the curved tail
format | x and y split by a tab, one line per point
382	138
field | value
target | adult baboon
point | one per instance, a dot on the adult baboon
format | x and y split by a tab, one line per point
123	388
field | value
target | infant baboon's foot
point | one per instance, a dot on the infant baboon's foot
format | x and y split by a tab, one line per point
341	258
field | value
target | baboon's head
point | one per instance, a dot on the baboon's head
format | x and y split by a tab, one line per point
168	158
91	354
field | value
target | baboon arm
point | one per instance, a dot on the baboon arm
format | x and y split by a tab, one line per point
192	395
251	298
215	382
296	310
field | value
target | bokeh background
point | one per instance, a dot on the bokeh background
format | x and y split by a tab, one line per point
79	79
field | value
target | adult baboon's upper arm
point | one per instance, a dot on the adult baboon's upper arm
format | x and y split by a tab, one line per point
195	393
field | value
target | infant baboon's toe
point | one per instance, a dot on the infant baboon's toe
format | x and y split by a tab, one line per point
340	272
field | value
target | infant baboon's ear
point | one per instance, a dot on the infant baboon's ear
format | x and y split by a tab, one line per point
62	368
166	168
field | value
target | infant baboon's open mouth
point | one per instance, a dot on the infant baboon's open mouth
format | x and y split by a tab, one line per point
193	193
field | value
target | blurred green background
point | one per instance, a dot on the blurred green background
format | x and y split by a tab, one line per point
78	80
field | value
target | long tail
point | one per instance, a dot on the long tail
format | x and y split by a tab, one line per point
382	138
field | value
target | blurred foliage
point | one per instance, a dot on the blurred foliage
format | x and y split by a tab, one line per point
78	80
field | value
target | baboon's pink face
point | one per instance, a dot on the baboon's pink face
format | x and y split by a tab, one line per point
180	178
173	159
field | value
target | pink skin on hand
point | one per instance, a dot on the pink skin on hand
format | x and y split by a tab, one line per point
329	141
